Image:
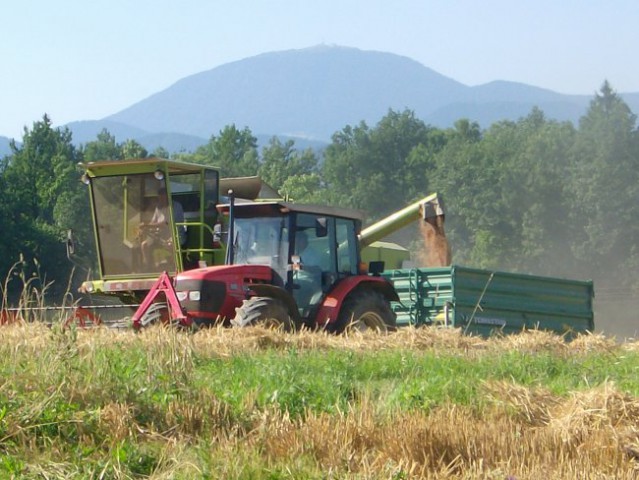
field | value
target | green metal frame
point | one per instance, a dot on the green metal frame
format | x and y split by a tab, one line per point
169	168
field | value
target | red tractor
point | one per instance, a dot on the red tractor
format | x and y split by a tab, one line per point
287	265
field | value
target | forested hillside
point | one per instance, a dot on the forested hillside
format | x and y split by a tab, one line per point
532	195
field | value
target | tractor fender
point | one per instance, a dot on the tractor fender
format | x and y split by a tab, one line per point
266	290
332	304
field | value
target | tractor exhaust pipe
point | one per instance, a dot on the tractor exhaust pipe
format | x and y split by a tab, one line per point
230	249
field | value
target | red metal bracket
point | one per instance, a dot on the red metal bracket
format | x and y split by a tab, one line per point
163	285
84	317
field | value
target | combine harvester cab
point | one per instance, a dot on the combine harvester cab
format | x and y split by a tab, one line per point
151	216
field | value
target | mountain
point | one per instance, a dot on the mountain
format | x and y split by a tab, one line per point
501	100
305	93
88	130
309	94
314	92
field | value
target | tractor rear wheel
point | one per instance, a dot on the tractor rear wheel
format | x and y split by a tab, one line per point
266	311
363	310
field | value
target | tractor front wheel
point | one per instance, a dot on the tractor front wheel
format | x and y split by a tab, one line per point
266	311
365	310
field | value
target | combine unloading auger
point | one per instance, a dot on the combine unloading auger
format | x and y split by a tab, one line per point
430	210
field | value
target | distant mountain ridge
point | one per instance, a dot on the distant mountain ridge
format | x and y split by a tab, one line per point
307	93
87	131
314	92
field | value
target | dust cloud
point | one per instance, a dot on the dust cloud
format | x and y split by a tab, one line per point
436	252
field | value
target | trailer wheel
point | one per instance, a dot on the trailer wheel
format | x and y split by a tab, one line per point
266	311
365	310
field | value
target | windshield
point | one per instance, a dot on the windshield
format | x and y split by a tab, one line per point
262	241
123	205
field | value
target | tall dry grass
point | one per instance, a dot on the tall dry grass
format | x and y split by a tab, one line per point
114	428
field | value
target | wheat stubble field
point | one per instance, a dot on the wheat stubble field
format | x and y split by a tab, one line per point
258	404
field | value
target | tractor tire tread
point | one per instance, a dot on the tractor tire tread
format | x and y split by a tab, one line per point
267	311
367	308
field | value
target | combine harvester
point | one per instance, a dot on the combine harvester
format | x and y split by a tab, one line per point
174	249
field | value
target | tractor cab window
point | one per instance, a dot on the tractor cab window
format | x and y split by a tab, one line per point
263	241
346	247
312	241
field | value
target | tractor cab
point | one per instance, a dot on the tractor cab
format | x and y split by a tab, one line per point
151	216
309	248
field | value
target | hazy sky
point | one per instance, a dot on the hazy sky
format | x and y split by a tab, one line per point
86	59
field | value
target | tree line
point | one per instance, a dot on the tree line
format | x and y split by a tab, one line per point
533	195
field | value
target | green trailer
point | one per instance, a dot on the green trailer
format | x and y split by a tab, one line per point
485	302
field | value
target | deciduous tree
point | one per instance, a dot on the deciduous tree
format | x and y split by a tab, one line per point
233	151
605	187
41	181
364	167
281	162
103	148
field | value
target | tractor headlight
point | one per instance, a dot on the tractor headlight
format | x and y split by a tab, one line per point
194	296
181	296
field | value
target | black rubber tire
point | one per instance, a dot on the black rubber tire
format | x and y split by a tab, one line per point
365	309
266	311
